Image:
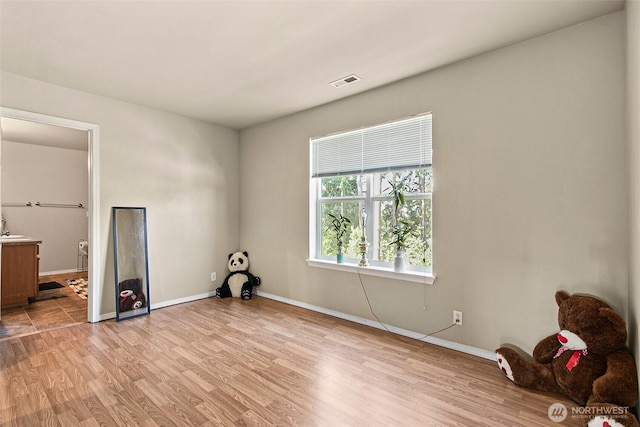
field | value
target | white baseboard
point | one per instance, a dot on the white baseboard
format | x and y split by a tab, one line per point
112	315
182	300
48	273
107	316
415	335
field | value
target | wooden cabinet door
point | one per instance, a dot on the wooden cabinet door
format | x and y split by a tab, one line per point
19	273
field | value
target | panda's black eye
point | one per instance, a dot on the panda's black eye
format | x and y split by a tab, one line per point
241	261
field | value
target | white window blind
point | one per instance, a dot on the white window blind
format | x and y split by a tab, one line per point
396	145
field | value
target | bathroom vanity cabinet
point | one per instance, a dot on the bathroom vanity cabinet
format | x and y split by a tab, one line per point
20	264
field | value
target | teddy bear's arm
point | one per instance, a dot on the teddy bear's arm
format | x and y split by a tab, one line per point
226	280
619	384
254	280
224	291
546	349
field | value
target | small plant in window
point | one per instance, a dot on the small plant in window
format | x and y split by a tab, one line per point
339	224
400	229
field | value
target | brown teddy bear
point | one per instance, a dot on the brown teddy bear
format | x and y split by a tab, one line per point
131	295
587	361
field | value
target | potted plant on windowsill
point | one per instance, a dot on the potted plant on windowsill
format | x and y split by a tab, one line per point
401	232
339	224
401	229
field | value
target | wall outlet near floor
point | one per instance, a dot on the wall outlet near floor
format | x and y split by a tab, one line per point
213	276
457	318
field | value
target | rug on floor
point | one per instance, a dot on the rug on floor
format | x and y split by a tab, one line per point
49	285
79	286
47	291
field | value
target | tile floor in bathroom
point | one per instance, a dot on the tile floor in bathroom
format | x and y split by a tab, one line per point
65	309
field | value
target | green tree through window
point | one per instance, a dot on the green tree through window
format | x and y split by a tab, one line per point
349	194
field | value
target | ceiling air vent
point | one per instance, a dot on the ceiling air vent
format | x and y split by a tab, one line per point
345	81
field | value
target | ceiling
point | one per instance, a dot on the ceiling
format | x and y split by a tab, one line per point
239	63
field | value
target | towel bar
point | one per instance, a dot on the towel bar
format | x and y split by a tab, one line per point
58	205
16	205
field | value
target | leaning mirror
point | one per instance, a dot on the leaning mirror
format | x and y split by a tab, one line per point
131	263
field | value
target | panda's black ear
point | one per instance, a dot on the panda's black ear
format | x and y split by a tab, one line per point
246	254
230	255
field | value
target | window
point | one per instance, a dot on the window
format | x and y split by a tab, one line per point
355	170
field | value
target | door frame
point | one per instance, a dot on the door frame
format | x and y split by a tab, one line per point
93	130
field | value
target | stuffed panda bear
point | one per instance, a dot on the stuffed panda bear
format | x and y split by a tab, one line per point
239	283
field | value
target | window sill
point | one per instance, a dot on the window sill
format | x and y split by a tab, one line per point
408	276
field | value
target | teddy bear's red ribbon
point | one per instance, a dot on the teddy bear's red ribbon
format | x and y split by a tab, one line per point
132	296
574	359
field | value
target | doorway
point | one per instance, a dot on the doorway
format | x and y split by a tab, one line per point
93	259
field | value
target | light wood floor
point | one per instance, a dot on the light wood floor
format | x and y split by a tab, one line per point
231	362
55	308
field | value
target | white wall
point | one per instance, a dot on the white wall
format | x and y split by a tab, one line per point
184	171
633	129
33	173
530	190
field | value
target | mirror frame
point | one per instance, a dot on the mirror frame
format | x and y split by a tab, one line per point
137	240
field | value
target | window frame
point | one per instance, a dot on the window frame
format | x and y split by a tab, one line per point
336	167
421	274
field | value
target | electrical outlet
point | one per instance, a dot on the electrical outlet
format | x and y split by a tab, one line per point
213	277
457	317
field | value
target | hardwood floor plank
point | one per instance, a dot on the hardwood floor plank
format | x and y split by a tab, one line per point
240	393
99	413
128	411
26	408
42	406
184	414
154	413
259	362
69	404
215	414
152	393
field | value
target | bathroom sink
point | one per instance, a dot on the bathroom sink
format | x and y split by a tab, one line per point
13	236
